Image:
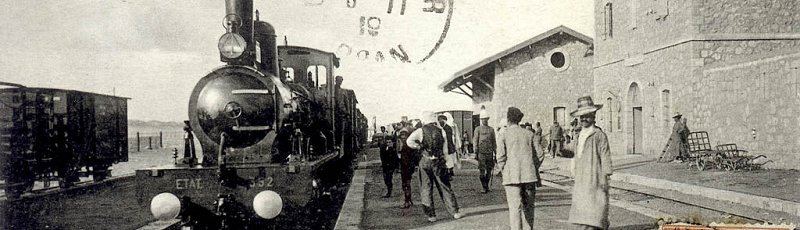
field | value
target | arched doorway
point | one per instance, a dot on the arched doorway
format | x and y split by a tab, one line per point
635	143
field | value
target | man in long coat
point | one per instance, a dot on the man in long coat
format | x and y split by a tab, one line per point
677	144
591	168
485	145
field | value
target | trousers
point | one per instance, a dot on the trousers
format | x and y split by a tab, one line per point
433	173
555	147
485	167
520	205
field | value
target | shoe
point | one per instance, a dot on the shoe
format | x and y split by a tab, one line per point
485	191
387	196
431	219
458	215
405	205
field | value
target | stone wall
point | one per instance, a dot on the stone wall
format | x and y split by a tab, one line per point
734	51
749	16
640	27
755	105
536	87
668	69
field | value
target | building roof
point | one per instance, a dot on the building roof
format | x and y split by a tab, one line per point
454	81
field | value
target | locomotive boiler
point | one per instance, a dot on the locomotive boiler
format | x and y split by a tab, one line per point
276	129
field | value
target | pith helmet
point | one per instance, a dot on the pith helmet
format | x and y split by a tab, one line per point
484	114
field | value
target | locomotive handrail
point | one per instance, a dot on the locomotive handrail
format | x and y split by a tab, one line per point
12	84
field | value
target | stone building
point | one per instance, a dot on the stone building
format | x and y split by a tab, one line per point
542	76
729	66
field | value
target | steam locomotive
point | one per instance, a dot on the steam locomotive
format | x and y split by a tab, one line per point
277	131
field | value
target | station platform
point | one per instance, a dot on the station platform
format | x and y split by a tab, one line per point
364	207
771	195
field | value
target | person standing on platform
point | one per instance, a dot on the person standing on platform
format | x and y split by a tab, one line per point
556	139
430	141
591	168
517	161
466	144
388	160
537	137
451	130
485	146
189	154
407	160
677	144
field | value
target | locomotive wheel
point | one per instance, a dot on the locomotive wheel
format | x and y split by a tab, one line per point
100	173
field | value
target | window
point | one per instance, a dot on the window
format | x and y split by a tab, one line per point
557	59
318	74
289	74
608	21
610	115
665	108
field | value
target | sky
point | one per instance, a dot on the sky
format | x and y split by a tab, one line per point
155	51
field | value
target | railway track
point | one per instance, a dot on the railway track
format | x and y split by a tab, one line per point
45	191
110	204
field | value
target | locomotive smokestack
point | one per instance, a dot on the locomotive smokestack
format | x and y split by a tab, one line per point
244	10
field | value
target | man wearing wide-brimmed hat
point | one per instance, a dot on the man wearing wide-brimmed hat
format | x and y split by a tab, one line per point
676	147
485	145
430	141
591	168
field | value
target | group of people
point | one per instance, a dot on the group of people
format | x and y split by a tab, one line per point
511	151
430	148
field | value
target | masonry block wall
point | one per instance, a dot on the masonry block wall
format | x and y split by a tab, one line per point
729	66
527	80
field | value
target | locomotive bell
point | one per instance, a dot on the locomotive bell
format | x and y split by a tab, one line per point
267	204
165	206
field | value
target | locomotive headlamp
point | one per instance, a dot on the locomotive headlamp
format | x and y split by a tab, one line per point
231	45
267	204
231	22
165	206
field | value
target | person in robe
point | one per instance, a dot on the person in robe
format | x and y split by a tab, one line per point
677	147
591	168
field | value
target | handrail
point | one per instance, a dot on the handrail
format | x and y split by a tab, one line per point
12	84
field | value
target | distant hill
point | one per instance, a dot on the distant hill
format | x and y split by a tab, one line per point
134	122
153	127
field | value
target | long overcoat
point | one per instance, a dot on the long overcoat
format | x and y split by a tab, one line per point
590	193
676	145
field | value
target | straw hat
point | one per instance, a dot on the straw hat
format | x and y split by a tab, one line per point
585	106
677	115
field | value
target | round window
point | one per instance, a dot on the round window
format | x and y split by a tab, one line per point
557	59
